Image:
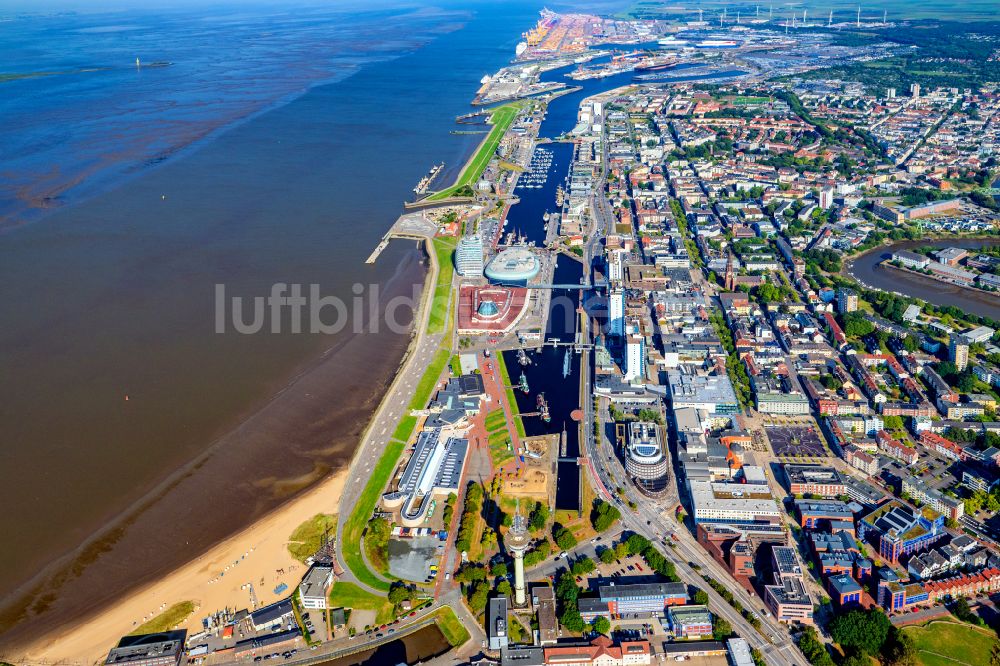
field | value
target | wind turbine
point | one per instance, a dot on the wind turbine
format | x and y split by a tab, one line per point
859	16
830	22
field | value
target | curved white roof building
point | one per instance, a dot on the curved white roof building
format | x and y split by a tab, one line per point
515	266
646	458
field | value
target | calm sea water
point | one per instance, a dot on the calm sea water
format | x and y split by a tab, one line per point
111	294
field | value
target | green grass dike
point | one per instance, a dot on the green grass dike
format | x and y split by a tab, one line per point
501	118
356	523
166	620
444	249
515	414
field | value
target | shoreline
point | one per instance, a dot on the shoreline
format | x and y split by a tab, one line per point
121	519
89	639
974	290
20	608
265	537
108	615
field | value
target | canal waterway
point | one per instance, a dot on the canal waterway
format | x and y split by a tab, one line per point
554	372
411	649
866	269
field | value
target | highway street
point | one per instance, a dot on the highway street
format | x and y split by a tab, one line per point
654	519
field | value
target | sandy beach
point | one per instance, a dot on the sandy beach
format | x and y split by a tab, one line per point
212	581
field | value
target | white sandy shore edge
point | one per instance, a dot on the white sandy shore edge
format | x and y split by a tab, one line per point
261	552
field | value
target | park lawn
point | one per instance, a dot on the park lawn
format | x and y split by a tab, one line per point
495	420
429	380
166	620
511	398
308	537
500	450
440	300
349	595
501	118
499	436
454	631
405	428
946	643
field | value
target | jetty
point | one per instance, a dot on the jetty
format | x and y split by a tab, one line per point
413	226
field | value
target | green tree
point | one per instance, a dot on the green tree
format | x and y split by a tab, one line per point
584	565
603	515
503	587
477	598
602	625
893	422
636	543
538	554
378	533
566	589
700	597
864	630
571	620
813	649
564	537
538	517
898	649
399	592
856	326
660	564
721	629
856	658
607	555
470	573
499	569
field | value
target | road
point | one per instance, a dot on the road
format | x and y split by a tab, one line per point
391	409
655	519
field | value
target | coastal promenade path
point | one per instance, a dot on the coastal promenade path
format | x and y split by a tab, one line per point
391	410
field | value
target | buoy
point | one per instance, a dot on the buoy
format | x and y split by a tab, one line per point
126	397
163	197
